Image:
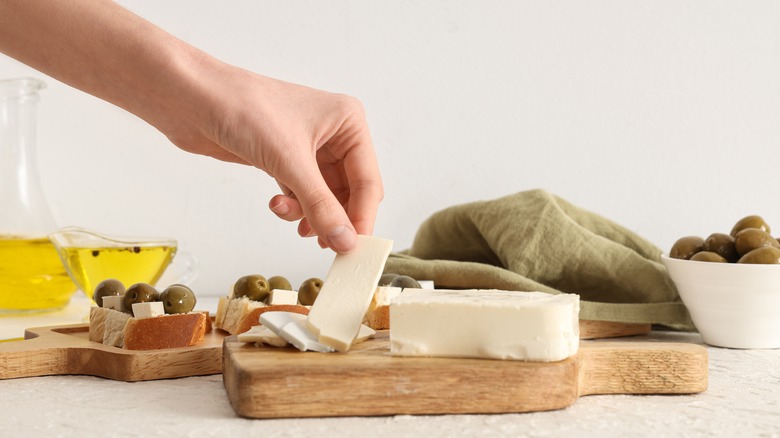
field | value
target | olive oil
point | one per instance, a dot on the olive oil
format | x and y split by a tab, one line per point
130	264
32	277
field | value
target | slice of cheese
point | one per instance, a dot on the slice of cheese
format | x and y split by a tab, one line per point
531	326
262	335
346	293
292	328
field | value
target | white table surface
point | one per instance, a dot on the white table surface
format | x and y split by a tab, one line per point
743	400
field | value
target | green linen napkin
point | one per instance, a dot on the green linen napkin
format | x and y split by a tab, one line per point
536	241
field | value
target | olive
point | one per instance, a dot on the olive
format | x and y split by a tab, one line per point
708	256
385	279
107	288
752	238
279	282
685	247
309	290
722	244
254	287
766	255
405	281
178	298
750	222
140	293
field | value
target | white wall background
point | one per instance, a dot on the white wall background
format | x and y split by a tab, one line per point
663	116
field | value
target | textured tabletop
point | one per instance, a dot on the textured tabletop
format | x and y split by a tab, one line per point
743	399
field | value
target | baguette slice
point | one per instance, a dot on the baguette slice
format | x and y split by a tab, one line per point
167	331
235	309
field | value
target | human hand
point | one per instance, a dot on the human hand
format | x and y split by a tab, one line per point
315	144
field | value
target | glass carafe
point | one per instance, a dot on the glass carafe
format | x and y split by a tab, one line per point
32	277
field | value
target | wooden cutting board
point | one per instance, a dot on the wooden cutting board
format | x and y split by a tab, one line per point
271	382
67	349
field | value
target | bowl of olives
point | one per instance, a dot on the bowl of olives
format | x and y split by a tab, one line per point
730	284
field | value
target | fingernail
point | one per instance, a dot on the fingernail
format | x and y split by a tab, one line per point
342	239
280	208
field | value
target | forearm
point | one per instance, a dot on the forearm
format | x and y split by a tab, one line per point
103	49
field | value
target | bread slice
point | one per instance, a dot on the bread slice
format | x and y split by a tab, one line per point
252	318
166	331
120	329
231	311
378	315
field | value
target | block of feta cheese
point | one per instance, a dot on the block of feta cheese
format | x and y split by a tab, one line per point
492	324
281	296
337	314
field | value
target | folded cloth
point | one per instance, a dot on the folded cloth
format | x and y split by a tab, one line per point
536	241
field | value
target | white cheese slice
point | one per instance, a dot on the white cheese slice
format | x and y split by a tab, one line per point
263	335
292	328
531	326
281	296
346	293
148	310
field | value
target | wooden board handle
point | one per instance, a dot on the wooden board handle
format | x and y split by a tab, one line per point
31	358
642	368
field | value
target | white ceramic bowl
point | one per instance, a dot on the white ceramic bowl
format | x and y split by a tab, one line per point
732	305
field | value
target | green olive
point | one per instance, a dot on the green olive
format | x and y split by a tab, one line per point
766	255
405	281
309	291
110	287
385	279
279	282
708	256
254	287
722	244
140	293
752	238
685	247
750	222
178	298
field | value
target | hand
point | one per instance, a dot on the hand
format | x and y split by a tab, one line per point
316	144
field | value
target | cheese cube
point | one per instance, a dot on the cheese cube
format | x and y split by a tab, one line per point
115	302
148	310
426	284
531	326
281	296
346	293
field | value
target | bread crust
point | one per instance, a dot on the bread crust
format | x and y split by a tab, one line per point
167	331
253	317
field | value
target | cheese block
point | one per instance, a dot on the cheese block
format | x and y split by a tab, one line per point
252	318
378	315
494	324
148	310
231	311
346	293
